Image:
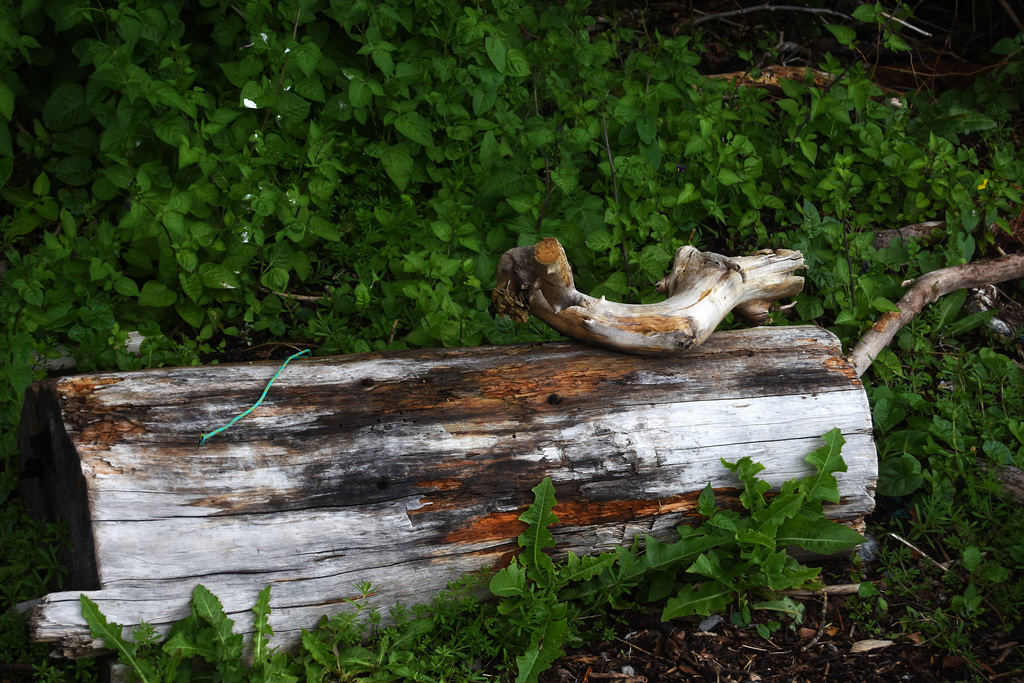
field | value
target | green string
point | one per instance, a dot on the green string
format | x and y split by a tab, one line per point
204	437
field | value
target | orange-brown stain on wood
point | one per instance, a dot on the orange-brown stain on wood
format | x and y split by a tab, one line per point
105	433
588	512
83	386
843	367
495	526
887	319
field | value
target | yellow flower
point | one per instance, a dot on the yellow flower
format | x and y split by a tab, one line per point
984	183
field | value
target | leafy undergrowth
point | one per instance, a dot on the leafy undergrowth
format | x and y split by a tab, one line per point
541	606
217	175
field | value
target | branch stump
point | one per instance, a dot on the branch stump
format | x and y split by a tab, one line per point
406	469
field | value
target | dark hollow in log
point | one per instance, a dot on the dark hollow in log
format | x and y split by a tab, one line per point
407	469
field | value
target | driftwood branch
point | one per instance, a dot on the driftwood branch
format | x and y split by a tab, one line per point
927	289
702	289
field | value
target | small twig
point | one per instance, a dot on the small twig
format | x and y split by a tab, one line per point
296	297
917	551
1013	16
768	8
838	589
615	195
821	624
910	26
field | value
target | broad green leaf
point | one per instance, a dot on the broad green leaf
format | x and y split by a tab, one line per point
844	34
647	128
41	186
156	294
413	126
187	259
866	13
899	476
74	170
516	64
66	107
306	56
727	176
398	165
126	286
496	51
809	149
972	558
275	279
819	535
706	599
6	102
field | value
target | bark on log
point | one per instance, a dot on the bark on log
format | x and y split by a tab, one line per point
702	289
407	469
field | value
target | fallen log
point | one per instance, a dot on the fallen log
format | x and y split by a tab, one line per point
406	469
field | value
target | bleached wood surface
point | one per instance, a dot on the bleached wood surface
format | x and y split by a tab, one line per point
407	469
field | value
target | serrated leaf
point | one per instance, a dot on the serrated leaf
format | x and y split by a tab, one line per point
110	634
827	459
538	517
706	501
583	568
510	581
704	600
782	507
660	556
261	625
545	646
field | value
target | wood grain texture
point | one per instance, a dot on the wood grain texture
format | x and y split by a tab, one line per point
408	469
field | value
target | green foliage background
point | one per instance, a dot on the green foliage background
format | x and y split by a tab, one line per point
345	174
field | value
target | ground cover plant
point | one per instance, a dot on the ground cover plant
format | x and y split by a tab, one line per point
344	175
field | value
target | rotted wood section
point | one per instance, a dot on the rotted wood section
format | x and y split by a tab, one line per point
406	469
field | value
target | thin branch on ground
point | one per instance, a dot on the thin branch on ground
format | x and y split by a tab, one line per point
768	8
926	290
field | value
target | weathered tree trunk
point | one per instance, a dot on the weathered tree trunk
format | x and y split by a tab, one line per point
406	469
